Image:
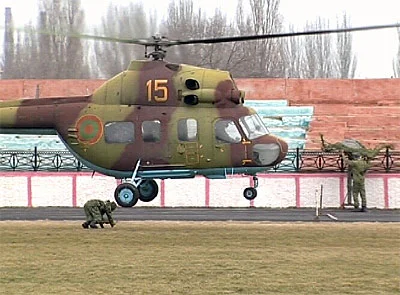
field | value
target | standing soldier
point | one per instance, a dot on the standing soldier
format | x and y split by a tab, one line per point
95	209
357	157
359	167
349	149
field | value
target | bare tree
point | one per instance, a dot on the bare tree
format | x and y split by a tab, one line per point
255	58
396	60
264	57
320	56
183	22
318	59
345	60
124	22
61	56
20	50
46	51
293	56
7	62
57	54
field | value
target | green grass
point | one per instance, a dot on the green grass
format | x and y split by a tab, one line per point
200	258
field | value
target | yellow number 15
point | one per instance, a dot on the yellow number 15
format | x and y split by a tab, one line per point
159	86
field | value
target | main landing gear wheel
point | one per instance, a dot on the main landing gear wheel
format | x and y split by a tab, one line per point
250	193
126	195
148	190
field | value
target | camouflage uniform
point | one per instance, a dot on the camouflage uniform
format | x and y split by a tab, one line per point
356	155
95	209
358	169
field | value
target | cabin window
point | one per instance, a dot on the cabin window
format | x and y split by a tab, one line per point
119	132
151	131
253	126
227	132
187	129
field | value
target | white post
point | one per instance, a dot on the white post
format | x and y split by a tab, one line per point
316	205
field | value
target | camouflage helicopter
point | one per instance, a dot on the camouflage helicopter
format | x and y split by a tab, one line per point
158	120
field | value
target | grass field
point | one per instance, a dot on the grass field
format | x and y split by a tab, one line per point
200	258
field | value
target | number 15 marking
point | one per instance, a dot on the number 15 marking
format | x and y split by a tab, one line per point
160	86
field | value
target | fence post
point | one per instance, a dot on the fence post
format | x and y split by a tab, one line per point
297	159
387	160
35	159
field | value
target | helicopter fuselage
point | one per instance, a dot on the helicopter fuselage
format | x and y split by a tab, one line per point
172	118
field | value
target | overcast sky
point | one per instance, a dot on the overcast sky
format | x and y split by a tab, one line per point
375	49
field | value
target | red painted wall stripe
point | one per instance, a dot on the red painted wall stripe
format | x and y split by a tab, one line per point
207	189
386	191
29	187
74	191
297	181
162	193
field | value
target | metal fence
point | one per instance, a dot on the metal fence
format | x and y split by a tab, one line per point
50	161
301	161
315	161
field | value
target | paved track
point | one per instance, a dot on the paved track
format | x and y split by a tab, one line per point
205	214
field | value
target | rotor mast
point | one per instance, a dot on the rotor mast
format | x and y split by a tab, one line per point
158	42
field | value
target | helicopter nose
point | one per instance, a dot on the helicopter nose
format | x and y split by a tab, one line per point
266	154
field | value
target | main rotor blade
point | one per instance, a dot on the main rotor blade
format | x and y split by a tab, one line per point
112	39
280	35
145	42
166	43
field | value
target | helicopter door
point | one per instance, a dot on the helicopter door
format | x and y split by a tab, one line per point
229	148
187	148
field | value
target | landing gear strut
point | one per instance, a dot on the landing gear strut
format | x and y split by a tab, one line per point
129	192
251	192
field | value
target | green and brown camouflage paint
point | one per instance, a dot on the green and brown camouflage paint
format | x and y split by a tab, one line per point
147	90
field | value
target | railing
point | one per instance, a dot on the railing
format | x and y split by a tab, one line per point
301	161
312	161
40	161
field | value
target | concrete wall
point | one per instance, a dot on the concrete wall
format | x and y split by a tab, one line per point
366	92
342	107
35	189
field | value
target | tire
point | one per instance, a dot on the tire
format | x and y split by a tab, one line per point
148	190
250	193
126	195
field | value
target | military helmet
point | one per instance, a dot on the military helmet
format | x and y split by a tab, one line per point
113	206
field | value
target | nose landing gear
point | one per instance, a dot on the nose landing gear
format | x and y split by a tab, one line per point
251	192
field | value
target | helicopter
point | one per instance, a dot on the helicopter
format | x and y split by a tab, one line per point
159	120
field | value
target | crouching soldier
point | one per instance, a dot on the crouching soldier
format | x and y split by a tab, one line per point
95	209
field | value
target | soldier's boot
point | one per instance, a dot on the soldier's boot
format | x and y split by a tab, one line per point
93	224
356	207
364	209
85	224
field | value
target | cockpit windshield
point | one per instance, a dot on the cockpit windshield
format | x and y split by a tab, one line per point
253	126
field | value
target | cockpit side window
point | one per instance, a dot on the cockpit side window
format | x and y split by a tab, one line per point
253	126
226	131
187	129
